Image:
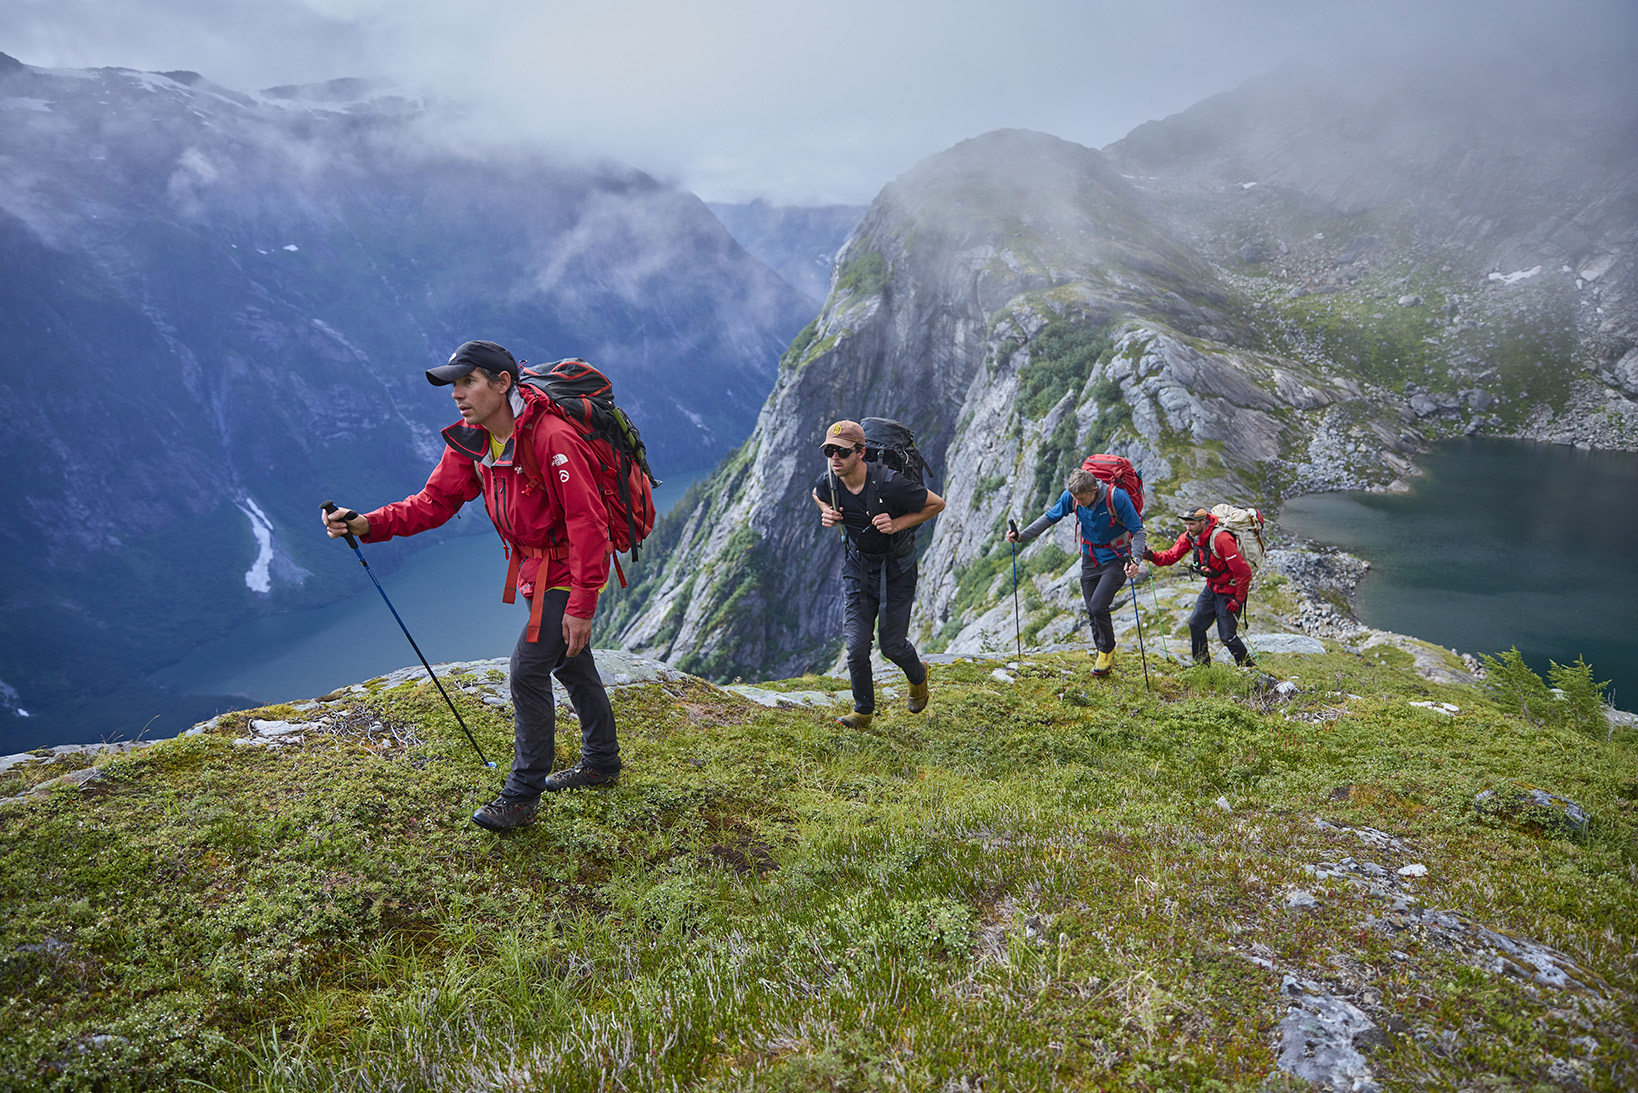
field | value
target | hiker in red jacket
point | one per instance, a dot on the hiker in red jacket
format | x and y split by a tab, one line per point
1228	580
557	537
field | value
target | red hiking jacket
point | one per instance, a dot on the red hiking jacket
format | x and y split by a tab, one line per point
560	526
1226	571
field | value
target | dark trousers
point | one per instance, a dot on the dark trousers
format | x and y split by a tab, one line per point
862	581
1100	584
534	713
1214	605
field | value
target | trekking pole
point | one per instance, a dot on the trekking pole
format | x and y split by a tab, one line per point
1017	631
1139	617
330	506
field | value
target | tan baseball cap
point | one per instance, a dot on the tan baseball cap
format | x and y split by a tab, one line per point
1194	514
844	432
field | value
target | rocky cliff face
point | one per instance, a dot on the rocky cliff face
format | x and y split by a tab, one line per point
1242	301
217	306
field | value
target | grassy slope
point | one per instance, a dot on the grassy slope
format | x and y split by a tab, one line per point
1029	886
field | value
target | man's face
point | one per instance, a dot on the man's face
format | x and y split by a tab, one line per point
477	397
1085	500
843	458
1194	527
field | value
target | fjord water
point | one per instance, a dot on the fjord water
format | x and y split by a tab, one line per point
449	596
1501	543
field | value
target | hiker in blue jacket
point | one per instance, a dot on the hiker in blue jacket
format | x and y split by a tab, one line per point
1112	539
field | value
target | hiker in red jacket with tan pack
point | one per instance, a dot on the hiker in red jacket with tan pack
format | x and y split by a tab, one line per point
1217	557
556	528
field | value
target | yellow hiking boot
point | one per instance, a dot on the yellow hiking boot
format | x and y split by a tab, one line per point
918	691
1104	664
856	720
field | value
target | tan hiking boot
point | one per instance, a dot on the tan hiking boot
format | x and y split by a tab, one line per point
918	691
856	720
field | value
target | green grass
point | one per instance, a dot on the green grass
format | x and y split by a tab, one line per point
1029	886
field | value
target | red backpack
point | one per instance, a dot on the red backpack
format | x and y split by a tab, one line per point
584	397
1117	470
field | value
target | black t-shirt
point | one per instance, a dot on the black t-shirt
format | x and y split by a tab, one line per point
891	493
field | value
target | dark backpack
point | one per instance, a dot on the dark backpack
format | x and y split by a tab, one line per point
892	444
584	397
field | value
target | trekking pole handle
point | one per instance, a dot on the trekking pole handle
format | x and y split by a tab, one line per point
330	506
1012	525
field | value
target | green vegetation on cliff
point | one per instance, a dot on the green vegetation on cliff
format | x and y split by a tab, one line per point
1043	881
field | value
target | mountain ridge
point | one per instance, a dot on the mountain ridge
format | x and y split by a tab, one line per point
231	297
1235	338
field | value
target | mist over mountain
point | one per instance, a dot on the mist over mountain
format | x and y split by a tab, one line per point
799	243
1292	287
219	305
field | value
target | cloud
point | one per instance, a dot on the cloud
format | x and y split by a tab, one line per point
798	102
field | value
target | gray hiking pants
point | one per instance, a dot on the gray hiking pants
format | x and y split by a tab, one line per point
1100	584
534	713
863	583
1214	605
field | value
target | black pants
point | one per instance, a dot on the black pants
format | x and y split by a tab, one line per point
1212	605
534	712
862	581
1100	584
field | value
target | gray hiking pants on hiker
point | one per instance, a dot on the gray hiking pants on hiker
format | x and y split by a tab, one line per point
1214	605
1100	584
534	717
862	582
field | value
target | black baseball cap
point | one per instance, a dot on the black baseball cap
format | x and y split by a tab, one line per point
472	355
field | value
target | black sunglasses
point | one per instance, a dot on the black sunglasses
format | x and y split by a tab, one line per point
830	450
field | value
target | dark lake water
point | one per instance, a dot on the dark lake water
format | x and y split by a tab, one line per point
302	654
1500	544
307	653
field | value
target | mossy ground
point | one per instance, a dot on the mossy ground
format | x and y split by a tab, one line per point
1032	885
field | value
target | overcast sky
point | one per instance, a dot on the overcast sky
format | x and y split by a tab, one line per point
795	102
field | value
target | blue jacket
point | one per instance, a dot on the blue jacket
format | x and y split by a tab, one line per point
1105	536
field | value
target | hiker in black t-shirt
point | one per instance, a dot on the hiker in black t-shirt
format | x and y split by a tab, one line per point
879	510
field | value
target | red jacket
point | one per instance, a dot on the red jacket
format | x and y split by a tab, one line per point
562	525
1226	571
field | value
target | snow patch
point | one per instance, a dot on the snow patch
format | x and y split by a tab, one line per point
8	699
1247	185
258	577
291	247
1517	276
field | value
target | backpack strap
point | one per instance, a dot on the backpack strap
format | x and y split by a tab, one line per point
516	552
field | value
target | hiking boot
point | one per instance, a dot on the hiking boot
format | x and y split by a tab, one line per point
856	720
1247	661
1104	664
918	692
577	776
506	813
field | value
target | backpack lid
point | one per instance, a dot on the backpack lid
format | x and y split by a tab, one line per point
884	432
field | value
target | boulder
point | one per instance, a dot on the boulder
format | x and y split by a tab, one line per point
1533	809
1626	371
1284	643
